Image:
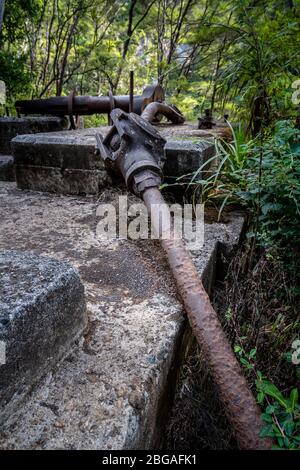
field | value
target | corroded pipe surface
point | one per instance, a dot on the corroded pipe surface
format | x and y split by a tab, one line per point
136	148
169	111
88	105
81	105
239	403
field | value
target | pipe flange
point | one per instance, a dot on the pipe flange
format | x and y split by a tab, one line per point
74	122
111	100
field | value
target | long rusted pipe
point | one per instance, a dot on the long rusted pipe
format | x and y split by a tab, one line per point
127	145
88	105
81	105
239	403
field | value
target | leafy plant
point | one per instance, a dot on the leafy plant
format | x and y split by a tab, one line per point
281	414
262	175
223	184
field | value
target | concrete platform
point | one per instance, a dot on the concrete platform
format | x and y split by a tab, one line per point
42	313
113	391
66	163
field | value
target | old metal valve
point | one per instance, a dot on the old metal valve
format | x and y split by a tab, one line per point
136	148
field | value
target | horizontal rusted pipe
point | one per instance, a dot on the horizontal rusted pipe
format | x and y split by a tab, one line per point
239	403
82	105
88	105
169	111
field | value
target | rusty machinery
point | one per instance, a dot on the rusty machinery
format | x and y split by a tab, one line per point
74	106
136	148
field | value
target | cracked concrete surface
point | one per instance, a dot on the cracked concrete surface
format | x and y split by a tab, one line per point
109	393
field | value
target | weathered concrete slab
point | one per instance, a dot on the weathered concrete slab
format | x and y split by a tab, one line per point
66	149
42	313
62	181
10	127
7	171
111	393
54	154
187	156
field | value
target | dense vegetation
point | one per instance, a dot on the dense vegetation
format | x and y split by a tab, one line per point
239	57
235	56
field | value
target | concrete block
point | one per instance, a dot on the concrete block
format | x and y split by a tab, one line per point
10	127
187	156
60	149
42	313
7	171
60	162
57	153
61	181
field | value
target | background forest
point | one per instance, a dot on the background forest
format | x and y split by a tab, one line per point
235	57
240	57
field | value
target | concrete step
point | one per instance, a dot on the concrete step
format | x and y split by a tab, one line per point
61	181
42	313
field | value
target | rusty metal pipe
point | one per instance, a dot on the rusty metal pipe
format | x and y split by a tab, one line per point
87	105
239	403
136	148
81	106
169	111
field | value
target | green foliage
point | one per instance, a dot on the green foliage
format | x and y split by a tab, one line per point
281	414
16	14
223	185
95	120
13	72
13	57
278	196
257	71
263	175
241	57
